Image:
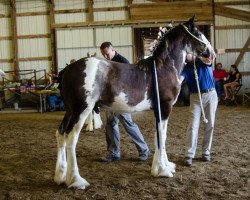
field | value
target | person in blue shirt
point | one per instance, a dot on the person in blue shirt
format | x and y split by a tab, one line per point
209	101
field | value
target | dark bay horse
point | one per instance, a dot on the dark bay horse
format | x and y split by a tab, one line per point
124	88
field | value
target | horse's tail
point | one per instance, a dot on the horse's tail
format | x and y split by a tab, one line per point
94	116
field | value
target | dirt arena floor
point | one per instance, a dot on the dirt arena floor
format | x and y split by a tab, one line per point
28	157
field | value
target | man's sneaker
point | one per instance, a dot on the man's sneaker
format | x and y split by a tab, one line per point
188	162
206	158
143	157
110	158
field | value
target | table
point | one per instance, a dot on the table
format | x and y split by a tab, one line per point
42	97
41	93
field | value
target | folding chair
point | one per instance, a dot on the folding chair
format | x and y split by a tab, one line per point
246	96
237	89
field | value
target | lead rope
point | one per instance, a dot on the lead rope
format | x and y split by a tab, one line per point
199	93
157	106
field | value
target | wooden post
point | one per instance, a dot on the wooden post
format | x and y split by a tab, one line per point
242	52
129	3
54	66
91	12
14	40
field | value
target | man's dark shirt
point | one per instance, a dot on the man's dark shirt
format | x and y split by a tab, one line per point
119	58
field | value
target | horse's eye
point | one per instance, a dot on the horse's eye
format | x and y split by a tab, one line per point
197	34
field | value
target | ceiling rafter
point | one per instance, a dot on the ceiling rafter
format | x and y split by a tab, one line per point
232	13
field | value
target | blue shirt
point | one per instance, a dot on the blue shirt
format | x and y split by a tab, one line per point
205	74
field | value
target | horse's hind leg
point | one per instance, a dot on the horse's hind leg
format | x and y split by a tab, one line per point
61	164
73	178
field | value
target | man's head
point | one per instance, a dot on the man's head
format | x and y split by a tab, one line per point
218	66
107	50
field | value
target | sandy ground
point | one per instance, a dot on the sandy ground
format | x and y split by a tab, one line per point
28	156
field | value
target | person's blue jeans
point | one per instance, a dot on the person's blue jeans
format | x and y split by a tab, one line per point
53	99
219	88
113	133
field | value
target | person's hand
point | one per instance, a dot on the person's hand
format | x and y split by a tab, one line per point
190	57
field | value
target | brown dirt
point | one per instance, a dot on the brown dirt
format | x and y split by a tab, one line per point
28	156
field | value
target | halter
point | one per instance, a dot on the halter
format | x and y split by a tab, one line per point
193	36
196	74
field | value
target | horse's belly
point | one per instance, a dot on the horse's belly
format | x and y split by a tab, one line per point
121	104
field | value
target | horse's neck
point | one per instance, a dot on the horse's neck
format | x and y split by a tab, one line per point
177	58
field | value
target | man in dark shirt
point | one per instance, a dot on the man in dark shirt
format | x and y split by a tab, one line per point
112	126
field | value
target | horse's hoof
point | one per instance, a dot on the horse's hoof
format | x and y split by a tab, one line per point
171	166
165	173
59	179
60	176
78	183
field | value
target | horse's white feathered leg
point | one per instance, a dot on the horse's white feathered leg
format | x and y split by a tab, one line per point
161	166
73	178
97	120
61	164
93	118
89	122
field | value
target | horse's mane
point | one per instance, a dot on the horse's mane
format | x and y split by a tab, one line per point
162	50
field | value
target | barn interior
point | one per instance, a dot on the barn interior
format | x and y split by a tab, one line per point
38	38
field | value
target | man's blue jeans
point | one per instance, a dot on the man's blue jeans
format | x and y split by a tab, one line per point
219	88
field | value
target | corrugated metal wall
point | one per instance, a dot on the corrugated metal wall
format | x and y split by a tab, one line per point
76	43
6	48
33	25
231	39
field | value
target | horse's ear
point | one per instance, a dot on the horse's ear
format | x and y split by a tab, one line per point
190	23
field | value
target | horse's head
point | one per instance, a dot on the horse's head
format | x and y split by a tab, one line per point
197	42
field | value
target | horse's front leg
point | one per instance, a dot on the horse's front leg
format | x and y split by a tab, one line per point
161	166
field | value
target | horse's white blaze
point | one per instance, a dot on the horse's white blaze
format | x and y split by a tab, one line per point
209	46
121	104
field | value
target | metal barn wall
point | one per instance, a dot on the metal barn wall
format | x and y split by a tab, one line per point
70	17
33	25
28	47
75	43
6	48
231	39
108	16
